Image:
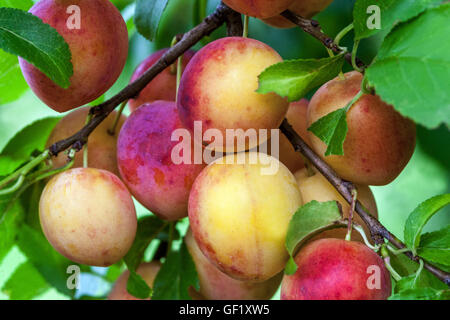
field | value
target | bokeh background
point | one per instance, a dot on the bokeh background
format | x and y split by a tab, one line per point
426	175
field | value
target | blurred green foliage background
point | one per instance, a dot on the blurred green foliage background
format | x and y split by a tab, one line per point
426	175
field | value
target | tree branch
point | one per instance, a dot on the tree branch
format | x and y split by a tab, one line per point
100	112
313	28
377	230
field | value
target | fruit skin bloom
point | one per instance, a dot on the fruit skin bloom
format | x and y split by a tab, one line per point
88	216
335	269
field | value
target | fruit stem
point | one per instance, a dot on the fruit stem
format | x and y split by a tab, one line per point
348	236
86	147
179	72
173	66
112	130
387	262
354	51
246	21
25	169
358	228
355	98
14	187
58	170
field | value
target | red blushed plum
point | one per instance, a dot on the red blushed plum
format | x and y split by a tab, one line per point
259	8
379	141
99	51
88	216
163	86
144	154
304	8
216	285
218	90
334	269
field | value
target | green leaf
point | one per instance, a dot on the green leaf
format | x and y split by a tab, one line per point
420	216
411	69
50	264
148	15
332	129
295	78
12	82
422	294
25	283
435	246
27	36
11	218
309	220
20	147
22	4
391	13
176	275
137	286
148	229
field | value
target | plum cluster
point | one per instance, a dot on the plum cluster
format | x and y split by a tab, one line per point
238	214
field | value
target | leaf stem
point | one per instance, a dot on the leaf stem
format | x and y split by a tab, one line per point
25	169
342	33
112	130
169	245
246	22
354	51
348	236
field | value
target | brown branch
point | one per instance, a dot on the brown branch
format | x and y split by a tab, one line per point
377	230
313	28
100	112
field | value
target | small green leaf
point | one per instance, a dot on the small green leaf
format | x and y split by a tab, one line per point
137	286
332	129
422	294
20	147
410	71
148	15
176	275
310	219
420	216
391	12
25	283
25	35
295	78
435	247
148	229
11	217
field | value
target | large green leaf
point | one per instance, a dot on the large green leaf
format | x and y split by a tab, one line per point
176	275
21	4
12	82
25	283
148	15
27	36
50	264
435	246
295	78
422	294
411	69
420	216
310	219
391	12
